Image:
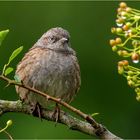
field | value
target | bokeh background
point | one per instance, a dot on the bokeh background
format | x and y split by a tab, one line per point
102	90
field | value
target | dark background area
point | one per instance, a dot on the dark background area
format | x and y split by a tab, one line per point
102	89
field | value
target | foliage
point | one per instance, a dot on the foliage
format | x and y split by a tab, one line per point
7	70
127	44
3	35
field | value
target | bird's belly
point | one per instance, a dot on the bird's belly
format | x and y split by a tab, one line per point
56	79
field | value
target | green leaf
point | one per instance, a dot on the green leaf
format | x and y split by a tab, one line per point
4	69
94	114
17	79
3	35
8	71
14	54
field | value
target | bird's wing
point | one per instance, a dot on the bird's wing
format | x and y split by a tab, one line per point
28	67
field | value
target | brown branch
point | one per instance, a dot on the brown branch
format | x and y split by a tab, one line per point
92	127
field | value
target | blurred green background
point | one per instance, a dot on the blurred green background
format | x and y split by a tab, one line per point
102	90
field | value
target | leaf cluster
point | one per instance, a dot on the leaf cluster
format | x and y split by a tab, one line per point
6	70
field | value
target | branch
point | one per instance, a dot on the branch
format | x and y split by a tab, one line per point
90	127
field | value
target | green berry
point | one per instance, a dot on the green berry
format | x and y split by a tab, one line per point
128	78
130	73
114	48
113	30
138	96
136	17
123	13
120	70
137	90
134	78
119	30
124	53
120	52
9	122
128	24
133	30
131	83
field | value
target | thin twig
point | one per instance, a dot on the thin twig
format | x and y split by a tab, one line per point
9	136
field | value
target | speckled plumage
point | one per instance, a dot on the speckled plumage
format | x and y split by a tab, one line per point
50	66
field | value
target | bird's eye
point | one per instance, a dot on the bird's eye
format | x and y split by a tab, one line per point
52	38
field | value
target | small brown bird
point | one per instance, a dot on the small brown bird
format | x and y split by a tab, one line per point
50	66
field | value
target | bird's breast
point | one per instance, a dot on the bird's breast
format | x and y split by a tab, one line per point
57	74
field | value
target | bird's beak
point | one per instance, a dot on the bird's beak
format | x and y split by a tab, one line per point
64	40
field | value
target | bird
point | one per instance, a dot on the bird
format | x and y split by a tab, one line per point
50	66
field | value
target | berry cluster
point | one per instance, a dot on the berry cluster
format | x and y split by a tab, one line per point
128	30
127	44
132	74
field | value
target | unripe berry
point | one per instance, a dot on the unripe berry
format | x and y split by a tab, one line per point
137	90
124	14
138	98
120	63
120	52
128	24
135	43
125	27
113	30
125	63
123	5
131	83
119	10
128	78
136	17
135	56
133	30
9	122
124	53
120	70
134	78
128	9
118	40
114	48
112	42
130	73
119	20
118	30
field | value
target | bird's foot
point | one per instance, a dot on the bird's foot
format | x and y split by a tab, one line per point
56	113
37	111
